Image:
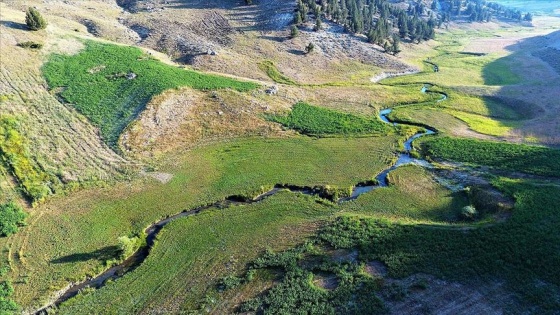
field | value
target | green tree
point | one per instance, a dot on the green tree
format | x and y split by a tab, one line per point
294	32
395	49
318	24
11	216
34	20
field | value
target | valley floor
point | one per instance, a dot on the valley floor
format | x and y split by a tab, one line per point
469	227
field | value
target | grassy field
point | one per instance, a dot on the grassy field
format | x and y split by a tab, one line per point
413	194
485	125
461	73
307	254
213	244
111	84
83	224
506	156
317	121
216	244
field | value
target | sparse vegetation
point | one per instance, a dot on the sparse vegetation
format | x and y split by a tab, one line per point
14	152
270	69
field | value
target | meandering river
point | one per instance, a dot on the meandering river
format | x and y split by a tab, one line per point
152	231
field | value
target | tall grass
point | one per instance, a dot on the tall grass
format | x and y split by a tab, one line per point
317	121
15	154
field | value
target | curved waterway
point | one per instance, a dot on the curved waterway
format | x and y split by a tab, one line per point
152	231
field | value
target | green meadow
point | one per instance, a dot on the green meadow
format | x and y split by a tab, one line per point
111	84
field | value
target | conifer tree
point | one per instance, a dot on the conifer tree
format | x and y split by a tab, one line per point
34	20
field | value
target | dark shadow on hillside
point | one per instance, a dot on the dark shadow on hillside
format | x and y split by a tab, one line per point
296	52
277	39
530	84
106	253
14	25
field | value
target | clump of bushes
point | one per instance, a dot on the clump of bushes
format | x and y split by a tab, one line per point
31	45
128	245
7	305
468	213
15	154
11	217
35	20
506	156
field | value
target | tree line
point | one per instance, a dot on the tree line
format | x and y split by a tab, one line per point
386	24
377	19
476	10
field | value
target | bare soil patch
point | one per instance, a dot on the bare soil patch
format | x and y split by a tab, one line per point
180	119
376	268
327	281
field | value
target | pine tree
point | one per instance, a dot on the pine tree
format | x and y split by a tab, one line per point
318	24
34	20
395	49
294	32
309	48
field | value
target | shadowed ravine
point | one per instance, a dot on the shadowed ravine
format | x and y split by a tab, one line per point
136	259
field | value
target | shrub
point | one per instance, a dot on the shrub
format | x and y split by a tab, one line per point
294	31
229	282
309	48
127	245
468	212
11	216
34	20
15	153
7	306
32	45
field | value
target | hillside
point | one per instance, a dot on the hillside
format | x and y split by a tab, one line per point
267	156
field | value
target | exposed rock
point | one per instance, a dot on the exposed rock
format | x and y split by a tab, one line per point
272	90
